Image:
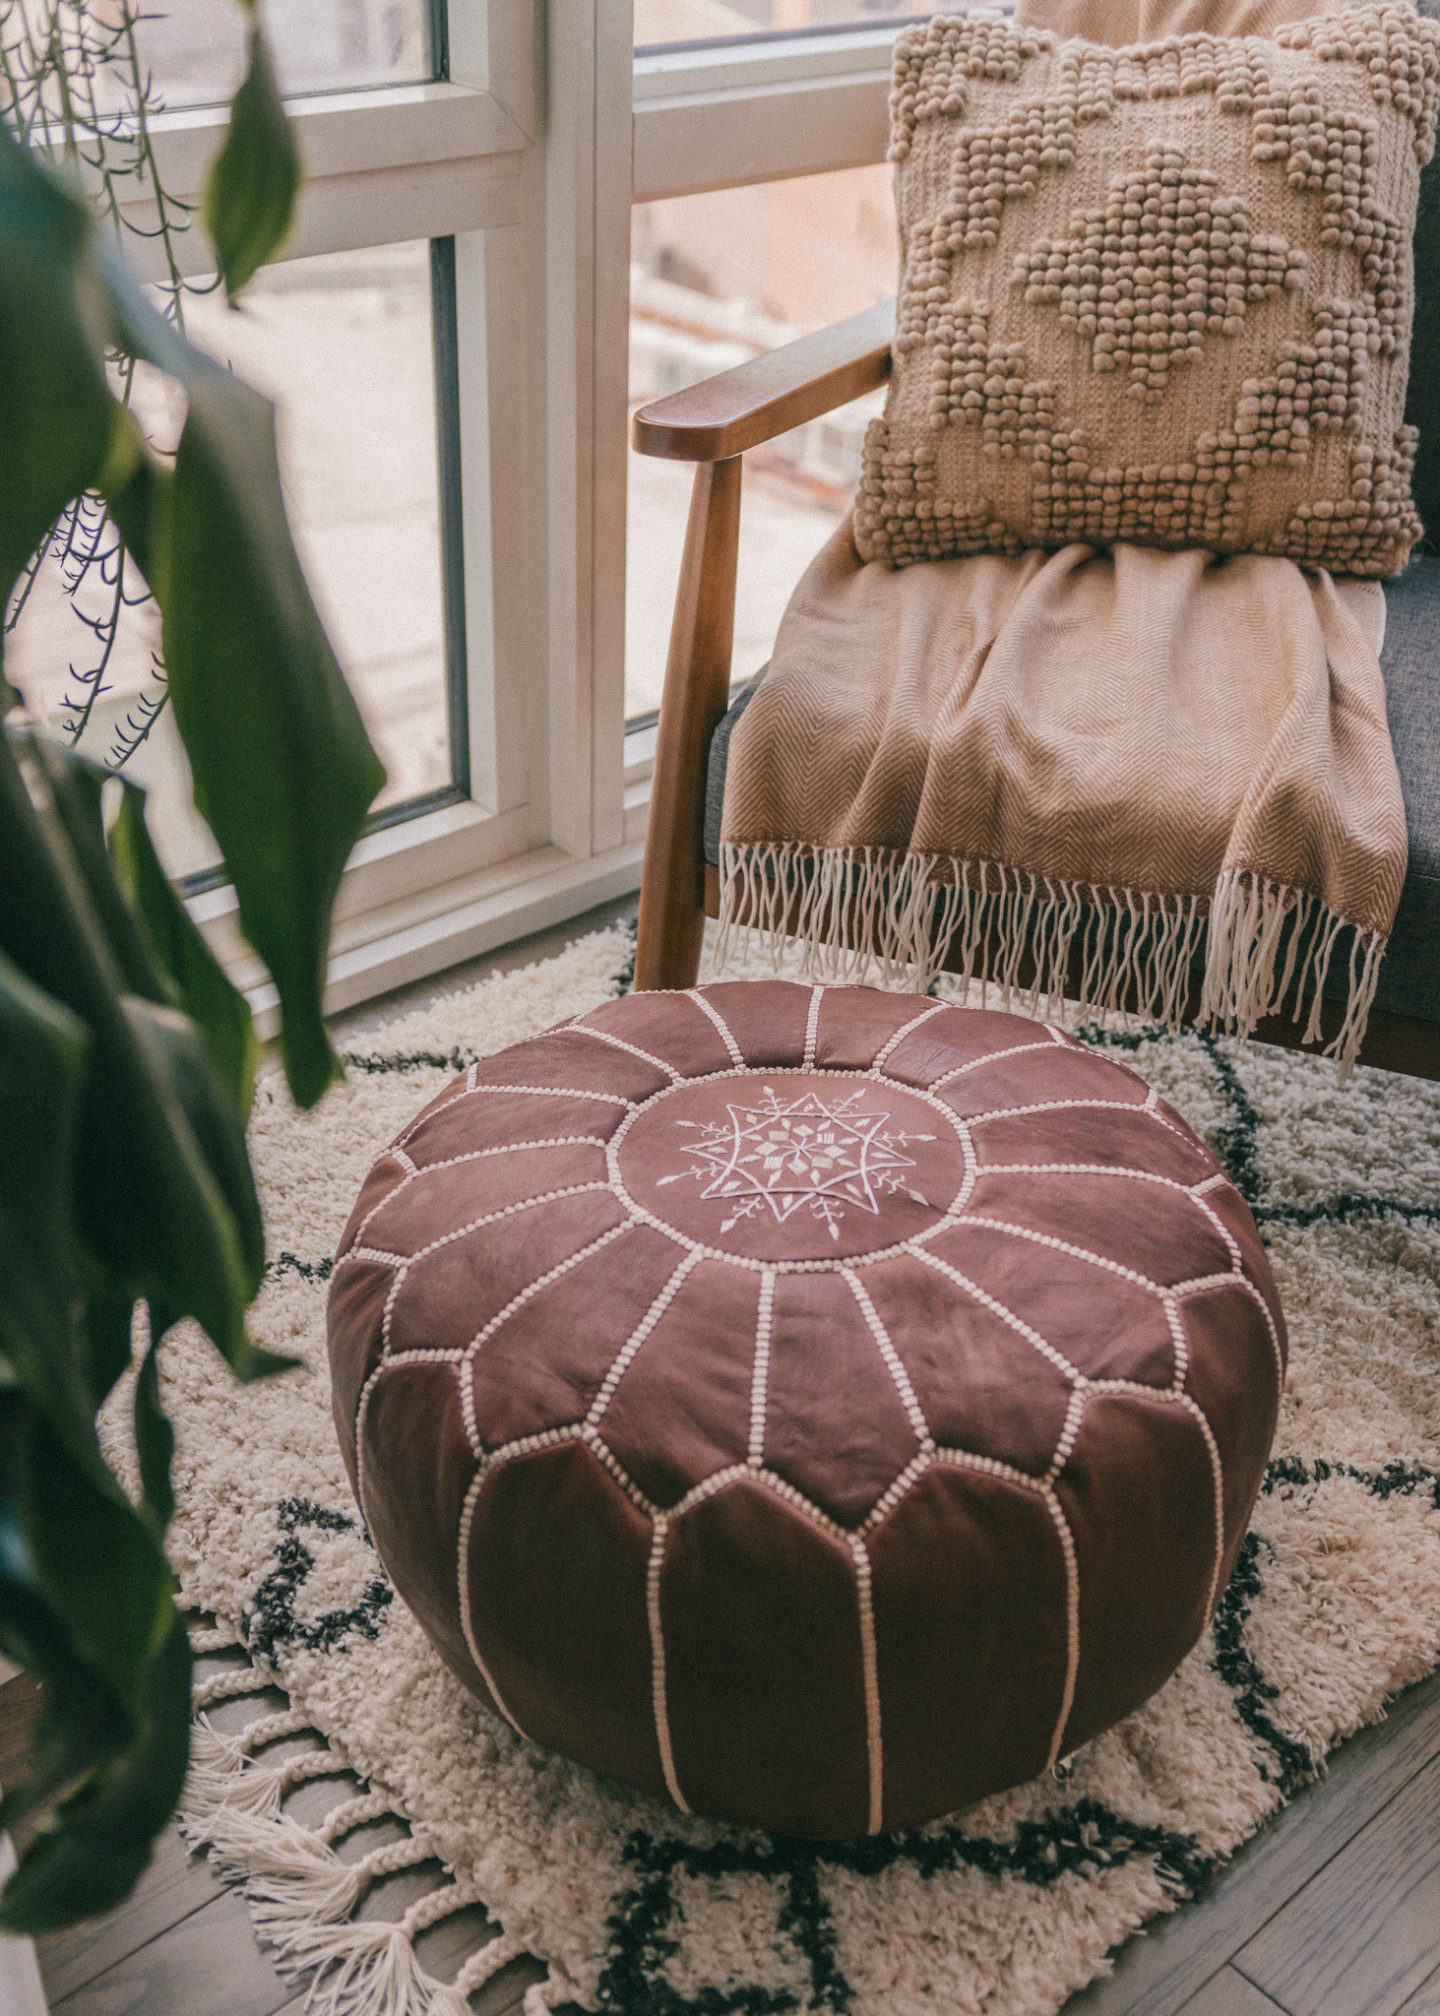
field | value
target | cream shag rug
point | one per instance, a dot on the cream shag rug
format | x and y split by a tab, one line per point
1006	1910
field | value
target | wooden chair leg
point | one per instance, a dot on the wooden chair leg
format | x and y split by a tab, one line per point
697	692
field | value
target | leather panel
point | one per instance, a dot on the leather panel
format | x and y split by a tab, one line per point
1232	1378
1103	1325
1054	1077
1113	1138
668	1026
557	1562
969	1585
979	1385
1159	1233
763	1667
521	1384
447	1300
509	1117
856	1023
766	1018
1139	1496
682	1408
354	1311
418	1467
957	1039
437	1200
835	1425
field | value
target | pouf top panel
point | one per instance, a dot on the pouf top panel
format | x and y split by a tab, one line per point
705	1297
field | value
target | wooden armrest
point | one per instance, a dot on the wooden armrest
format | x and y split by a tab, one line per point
770	394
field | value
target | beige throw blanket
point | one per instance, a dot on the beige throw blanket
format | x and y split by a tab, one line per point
1099	759
1070	770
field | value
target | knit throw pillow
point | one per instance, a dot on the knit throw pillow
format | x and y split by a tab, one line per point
1160	294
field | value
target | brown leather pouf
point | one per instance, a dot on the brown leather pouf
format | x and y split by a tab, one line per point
815	1406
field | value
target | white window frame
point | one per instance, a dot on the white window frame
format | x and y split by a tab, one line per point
530	156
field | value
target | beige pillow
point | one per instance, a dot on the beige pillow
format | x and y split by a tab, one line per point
1159	294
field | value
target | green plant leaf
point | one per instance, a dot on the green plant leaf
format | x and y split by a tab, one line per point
97	1562
198	982
105	1327
100	1841
154	1438
250	195
43	1055
151	1207
76	785
283	769
179	1061
83	1721
57	415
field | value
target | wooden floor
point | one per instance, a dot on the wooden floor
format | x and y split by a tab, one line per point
1333	1910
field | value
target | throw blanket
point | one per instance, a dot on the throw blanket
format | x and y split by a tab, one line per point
1070	770
1085	758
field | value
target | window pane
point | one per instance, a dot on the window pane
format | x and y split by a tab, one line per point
343	344
195	48
662	23
716	279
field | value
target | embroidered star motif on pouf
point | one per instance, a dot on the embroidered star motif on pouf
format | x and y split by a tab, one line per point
806	1151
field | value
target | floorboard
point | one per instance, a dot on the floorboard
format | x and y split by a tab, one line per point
1158	1974
1426	1999
208	1965
1230	1994
1361	1937
176	1885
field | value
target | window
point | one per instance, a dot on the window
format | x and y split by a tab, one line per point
714	279
662	23
196	48
478	186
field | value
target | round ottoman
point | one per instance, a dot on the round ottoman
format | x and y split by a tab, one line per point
814	1406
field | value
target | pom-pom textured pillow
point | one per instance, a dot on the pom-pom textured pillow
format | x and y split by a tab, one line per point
1159	294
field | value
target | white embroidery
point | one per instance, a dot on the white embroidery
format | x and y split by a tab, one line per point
813	1153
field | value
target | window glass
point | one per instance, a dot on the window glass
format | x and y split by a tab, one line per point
343	343
195	48
716	279
663	23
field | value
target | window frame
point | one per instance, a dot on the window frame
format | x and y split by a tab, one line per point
528	158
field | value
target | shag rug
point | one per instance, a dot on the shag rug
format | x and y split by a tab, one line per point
1004	1910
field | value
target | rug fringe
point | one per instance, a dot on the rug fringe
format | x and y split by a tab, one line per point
846	908
303	1895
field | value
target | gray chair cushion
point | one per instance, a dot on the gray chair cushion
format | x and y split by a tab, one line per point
1422	402
1410	976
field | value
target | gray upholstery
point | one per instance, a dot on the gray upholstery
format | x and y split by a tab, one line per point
1410	977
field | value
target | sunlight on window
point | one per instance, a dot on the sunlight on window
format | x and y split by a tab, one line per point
658	22
716	279
343	344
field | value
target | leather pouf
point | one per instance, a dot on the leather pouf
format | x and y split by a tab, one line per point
815	1406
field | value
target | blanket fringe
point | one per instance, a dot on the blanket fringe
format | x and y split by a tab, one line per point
917	915
303	1895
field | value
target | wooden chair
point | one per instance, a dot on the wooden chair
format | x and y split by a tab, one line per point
712	424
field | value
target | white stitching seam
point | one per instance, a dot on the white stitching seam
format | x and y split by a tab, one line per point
887	1049
532	1288
870	1671
893	1365
657	1660
760	1373
619	1043
1072	1621
703	1002
812	1022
